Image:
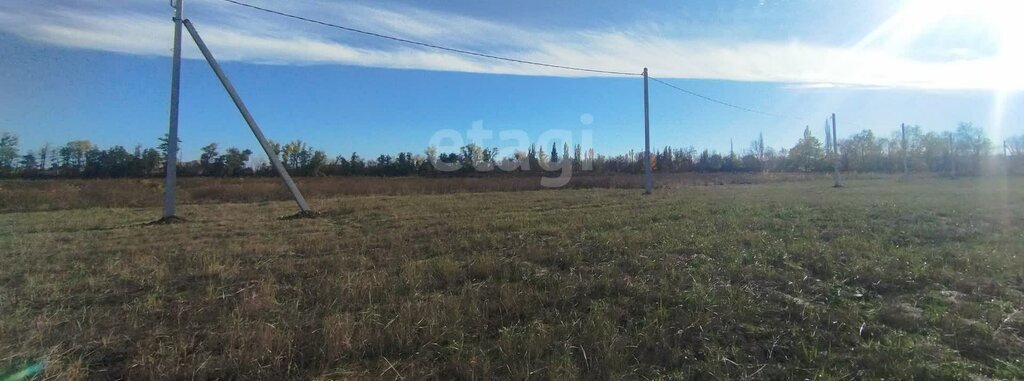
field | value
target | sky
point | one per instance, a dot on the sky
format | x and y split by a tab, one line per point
100	71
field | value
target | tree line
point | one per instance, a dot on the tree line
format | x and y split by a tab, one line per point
963	151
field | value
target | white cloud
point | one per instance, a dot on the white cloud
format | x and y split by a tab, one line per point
239	34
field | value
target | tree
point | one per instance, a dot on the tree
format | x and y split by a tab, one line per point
533	161
208	159
683	159
119	162
1015	150
963	150
28	162
304	160
472	156
971	146
163	145
316	163
72	155
232	162
716	162
935	149
862	152
405	164
431	153
488	157
44	154
1015	145
577	157
8	151
356	162
757	147
915	148
663	159
751	163
710	162
731	163
149	161
275	147
807	155
296	154
703	162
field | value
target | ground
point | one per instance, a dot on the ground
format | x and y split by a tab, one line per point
793	280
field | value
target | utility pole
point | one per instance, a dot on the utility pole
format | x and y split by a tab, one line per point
648	182
760	146
906	155
828	135
952	158
171	166
274	160
835	153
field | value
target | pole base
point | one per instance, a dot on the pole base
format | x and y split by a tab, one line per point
839	186
168	220
302	214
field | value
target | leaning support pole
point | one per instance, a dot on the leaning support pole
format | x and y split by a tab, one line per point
648	182
171	166
248	119
835	154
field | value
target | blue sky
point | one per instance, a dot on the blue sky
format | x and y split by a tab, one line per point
99	70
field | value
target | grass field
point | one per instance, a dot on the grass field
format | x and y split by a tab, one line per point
30	195
795	280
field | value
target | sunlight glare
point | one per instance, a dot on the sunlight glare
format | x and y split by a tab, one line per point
1000	72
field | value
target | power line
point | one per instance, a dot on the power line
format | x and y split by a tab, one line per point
429	45
710	99
491	56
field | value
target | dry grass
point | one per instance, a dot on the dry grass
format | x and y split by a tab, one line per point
786	280
27	195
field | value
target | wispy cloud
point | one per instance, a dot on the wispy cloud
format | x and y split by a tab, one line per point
238	34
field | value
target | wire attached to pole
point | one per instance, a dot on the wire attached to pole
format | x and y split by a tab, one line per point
496	57
713	100
429	45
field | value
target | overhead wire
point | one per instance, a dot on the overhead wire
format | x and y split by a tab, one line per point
496	57
429	45
713	100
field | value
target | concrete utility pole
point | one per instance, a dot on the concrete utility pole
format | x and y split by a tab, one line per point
906	155
171	166
274	160
952	158
835	153
648	182
828	136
